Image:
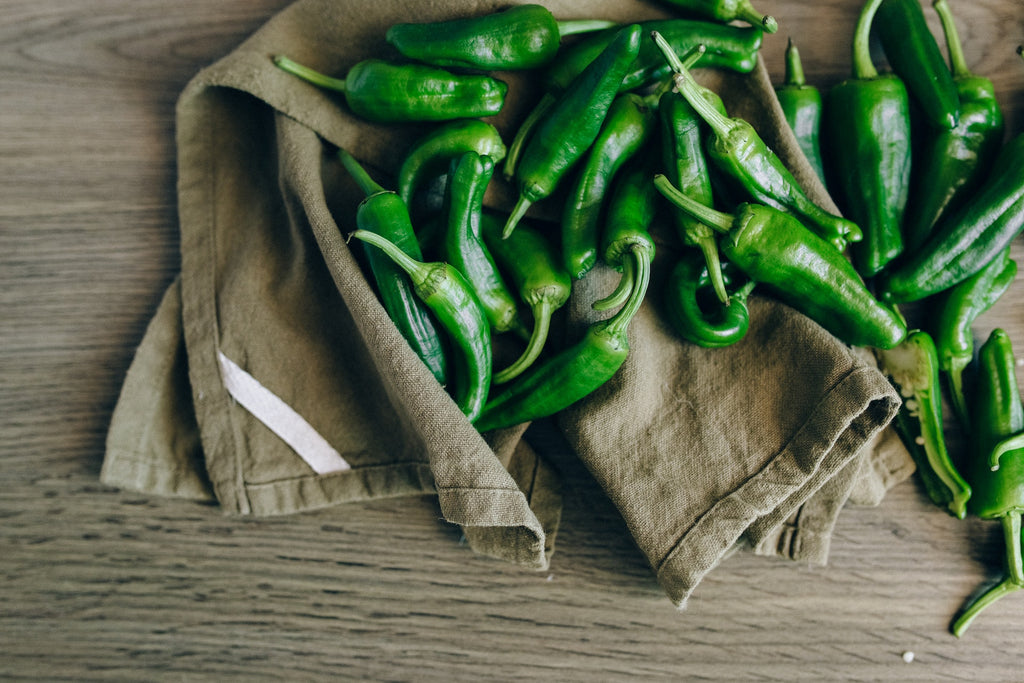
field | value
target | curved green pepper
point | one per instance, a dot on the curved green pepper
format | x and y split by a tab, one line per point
805	271
626	128
451	298
535	268
997	430
956	310
384	213
915	57
802	105
433	153
965	241
704	320
867	126
913	367
727	11
521	37
739	152
951	163
464	245
376	90
572	124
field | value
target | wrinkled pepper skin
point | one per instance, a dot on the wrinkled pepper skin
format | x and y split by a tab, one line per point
867	125
951	163
704	320
915	57
965	241
521	37
379	91
802	105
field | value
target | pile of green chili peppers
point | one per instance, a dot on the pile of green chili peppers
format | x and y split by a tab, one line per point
635	157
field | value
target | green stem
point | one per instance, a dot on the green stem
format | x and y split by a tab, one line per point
309	75
1012	536
745	12
367	184
571	27
541	324
515	148
794	66
709	247
418	272
1010	443
714	219
518	211
1001	589
957	63
691	90
618	323
622	290
863	66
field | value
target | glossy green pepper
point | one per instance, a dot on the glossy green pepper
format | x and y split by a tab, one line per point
867	129
996	464
431	154
805	271
521	37
727	11
383	212
955	311
802	106
572	124
704	320
376	90
913	368
915	57
737	150
452	299
952	162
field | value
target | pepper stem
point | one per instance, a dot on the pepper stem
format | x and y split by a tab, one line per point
1010	443
957	63
518	211
863	66
515	148
571	27
1013	582
642	258
541	324
309	75
418	271
1012	536
794	66
745	11
622	289
690	89
709	247
359	174
714	219
1001	589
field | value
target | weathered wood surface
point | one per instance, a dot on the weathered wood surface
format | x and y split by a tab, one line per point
101	584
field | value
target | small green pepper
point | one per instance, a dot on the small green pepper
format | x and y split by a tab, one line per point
740	153
805	271
464	245
915	57
867	126
535	268
383	212
802	105
451	298
955	311
996	465
727	11
432	154
521	37
572	124
704	320
376	90
951	163
913	368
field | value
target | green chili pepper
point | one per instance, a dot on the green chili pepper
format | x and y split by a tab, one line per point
802	105
913	368
521	37
379	91
997	433
951	163
915	57
572	124
700	319
956	310
383	212
535	268
867	125
805	271
738	151
464	244
965	241
569	375
450	296
627	126
728	10
432	154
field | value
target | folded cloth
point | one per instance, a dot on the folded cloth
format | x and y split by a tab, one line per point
272	381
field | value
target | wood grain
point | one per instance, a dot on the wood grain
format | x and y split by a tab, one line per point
100	584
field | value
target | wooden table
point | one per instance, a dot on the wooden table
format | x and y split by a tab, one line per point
97	583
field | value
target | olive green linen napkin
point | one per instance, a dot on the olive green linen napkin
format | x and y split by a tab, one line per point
271	381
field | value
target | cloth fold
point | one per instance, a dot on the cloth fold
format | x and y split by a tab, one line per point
749	442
